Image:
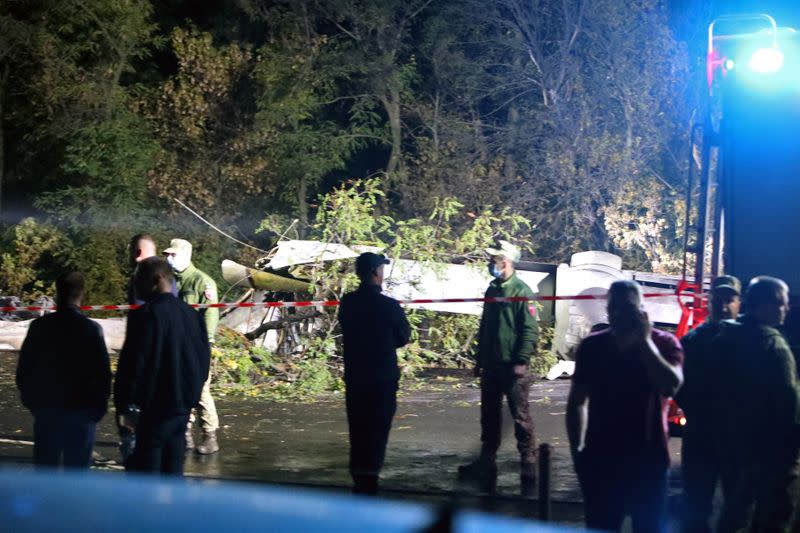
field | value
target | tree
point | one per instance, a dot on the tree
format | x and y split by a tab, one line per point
15	38
454	146
77	142
68	61
376	37
298	75
605	80
202	117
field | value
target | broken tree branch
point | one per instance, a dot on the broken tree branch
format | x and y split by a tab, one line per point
278	324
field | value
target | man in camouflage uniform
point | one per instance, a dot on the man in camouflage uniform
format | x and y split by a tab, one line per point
758	432
197	287
506	342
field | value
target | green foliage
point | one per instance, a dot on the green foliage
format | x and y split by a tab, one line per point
545	357
106	163
449	234
102	259
317	372
551	124
645	225
445	339
212	155
33	248
238	366
349	215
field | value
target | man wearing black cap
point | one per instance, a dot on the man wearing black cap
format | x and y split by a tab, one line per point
373	327
700	456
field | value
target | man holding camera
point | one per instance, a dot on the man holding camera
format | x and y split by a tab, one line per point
162	367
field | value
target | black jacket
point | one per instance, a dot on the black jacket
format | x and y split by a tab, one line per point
165	359
63	363
373	327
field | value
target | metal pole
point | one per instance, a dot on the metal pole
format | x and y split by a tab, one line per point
689	194
544	482
717	230
702	208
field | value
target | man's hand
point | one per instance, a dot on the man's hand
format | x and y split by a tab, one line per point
129	419
643	328
127	422
520	370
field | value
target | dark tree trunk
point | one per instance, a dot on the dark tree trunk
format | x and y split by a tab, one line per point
3	81
510	169
302	205
391	103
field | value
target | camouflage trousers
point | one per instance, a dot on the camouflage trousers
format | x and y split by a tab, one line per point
759	497
206	410
497	382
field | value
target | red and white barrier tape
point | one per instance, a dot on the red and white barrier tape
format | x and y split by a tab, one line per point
334	303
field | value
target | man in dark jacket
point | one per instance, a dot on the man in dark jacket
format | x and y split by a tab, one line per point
760	435
373	327
700	455
506	342
162	367
64	378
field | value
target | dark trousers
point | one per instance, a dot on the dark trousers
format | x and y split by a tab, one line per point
64	436
497	382
160	445
700	471
761	495
615	487
370	409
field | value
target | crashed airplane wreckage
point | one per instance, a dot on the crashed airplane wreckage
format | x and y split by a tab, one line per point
284	275
588	273
287	270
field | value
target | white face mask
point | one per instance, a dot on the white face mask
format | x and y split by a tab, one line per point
179	262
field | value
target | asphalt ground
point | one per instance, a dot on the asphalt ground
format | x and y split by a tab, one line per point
436	428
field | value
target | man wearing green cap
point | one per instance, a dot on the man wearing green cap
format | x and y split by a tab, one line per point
197	287
507	340
700	456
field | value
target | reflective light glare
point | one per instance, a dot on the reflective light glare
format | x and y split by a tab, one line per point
729	64
766	60
682	421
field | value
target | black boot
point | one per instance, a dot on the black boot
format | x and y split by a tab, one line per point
527	477
365	484
527	485
482	471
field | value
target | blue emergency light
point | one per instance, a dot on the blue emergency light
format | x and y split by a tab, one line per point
752	49
766	60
